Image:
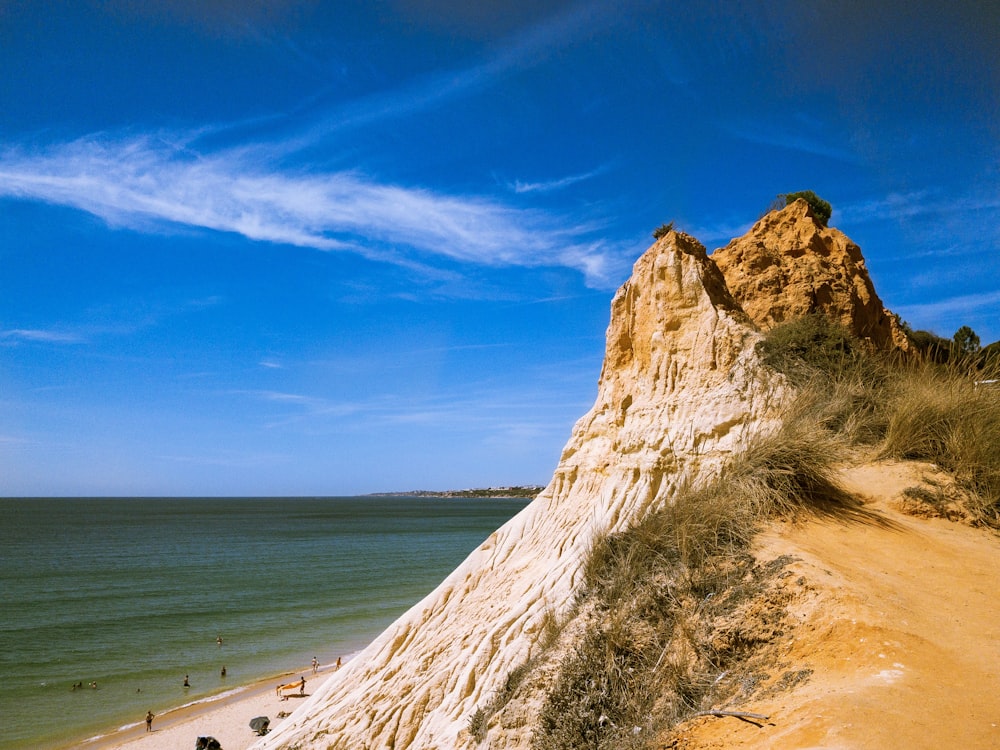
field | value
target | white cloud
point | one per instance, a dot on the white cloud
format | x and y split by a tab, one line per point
230	459
916	203
144	183
964	305
14	440
148	182
809	138
38	335
552	185
522	51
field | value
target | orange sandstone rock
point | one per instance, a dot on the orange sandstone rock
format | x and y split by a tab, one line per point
788	265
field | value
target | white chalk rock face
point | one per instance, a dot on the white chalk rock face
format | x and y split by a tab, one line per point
681	388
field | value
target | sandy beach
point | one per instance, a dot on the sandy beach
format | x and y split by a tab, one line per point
226	718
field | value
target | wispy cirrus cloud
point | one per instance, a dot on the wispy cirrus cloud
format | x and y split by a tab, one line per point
198	178
484	408
125	318
7	440
916	203
521	51
959	306
795	133
552	185
301	405
229	459
40	336
147	183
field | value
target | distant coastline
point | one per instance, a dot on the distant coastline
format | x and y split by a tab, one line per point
526	491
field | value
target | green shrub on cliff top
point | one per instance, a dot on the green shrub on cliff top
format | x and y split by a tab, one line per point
663	230
821	209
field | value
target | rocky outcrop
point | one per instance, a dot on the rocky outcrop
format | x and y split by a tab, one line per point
789	265
680	390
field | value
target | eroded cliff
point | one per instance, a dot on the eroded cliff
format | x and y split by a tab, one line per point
681	388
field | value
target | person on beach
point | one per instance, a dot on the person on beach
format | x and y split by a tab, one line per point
338	663
149	721
315	665
302	686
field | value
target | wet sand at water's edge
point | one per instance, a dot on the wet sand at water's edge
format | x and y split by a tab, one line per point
227	717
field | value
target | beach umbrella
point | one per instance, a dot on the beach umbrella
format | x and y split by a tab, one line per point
259	724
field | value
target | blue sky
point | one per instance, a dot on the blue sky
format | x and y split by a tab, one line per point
287	248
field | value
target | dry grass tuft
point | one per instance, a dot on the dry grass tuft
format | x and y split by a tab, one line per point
848	379
946	414
942	415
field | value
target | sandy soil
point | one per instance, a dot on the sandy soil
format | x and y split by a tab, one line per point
899	621
227	719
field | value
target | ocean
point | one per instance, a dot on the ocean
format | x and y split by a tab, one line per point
133	594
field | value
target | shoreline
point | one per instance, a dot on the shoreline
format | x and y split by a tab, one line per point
282	580
225	716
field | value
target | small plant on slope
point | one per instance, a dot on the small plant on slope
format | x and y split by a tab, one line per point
821	209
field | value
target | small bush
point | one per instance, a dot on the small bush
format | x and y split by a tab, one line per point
821	209
663	230
813	344
965	344
843	379
478	722
933	348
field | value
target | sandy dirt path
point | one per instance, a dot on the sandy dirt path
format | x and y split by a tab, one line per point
899	621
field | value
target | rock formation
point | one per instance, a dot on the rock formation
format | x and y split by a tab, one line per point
789	265
681	389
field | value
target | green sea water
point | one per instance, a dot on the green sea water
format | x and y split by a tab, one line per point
132	594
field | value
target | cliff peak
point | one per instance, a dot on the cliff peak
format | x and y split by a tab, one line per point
789	265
